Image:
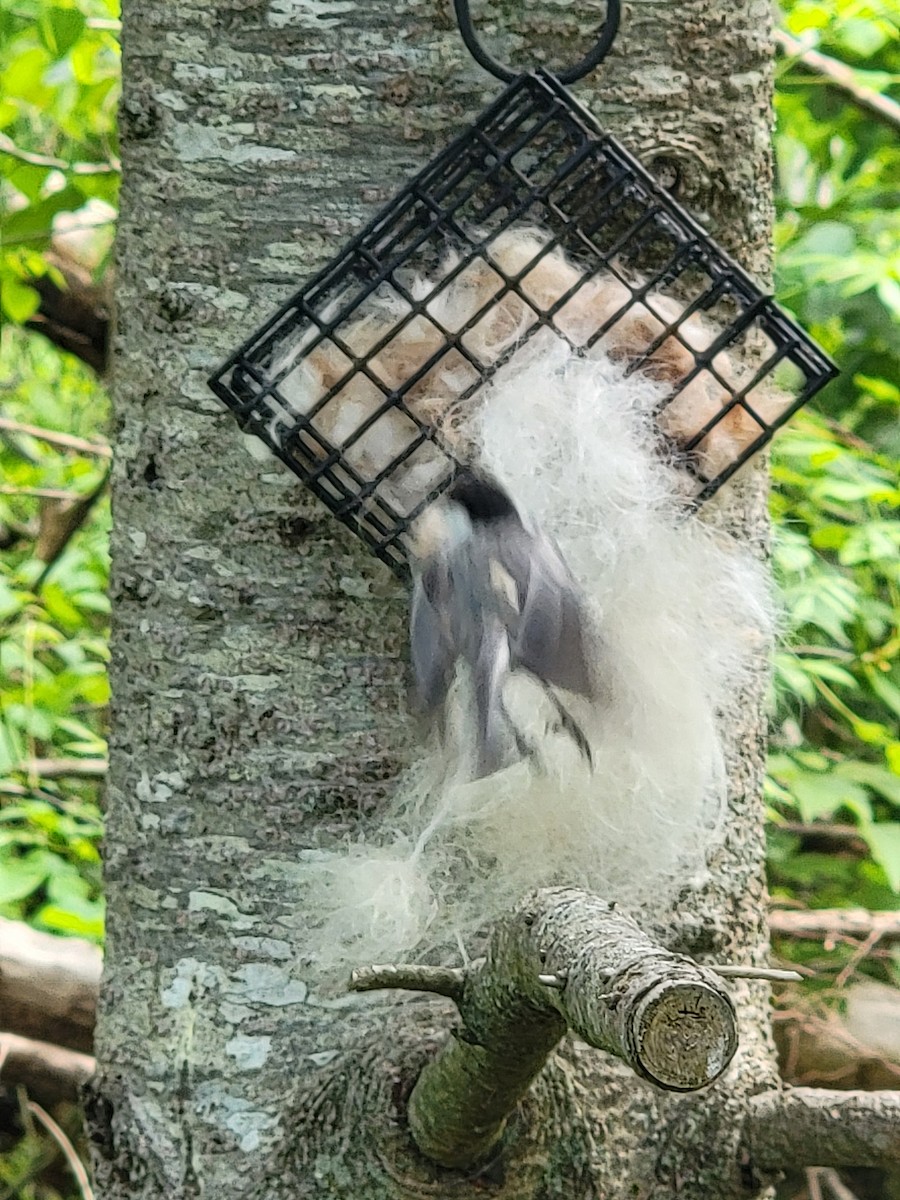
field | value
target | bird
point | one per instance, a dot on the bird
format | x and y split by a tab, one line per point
495	597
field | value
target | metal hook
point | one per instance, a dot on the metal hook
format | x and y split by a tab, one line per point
497	69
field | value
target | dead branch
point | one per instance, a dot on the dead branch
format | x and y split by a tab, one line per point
76	1166
60	520
53	437
50	1073
564	959
842	77
76	315
63	768
800	1127
831	924
48	985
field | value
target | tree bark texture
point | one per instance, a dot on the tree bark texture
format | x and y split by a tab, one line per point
794	1127
258	650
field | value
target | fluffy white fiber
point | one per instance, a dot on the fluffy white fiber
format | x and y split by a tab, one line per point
679	610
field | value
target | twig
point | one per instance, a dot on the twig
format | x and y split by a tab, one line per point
55	768
444	981
856	958
846	837
813	1185
51	1073
9	489
67	440
60	524
775	974
836	1185
842	77
834	923
8	146
75	1164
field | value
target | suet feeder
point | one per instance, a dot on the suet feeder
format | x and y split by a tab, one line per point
343	381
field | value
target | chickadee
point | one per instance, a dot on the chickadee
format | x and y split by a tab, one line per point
493	595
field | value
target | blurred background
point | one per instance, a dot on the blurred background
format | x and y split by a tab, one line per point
833	789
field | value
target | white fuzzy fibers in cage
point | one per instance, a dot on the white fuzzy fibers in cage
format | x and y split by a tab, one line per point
679	611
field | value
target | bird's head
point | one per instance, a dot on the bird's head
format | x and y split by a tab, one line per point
483	499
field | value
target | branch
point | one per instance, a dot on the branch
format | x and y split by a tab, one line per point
76	1166
829	924
63	768
59	522
66	440
802	1127
50	1073
48	985
8	146
76	315
564	959
443	981
842	77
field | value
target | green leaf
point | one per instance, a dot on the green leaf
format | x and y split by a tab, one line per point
820	796
883	839
60	29
20	877
76	918
879	778
18	300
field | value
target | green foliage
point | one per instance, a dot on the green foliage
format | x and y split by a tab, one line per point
836	746
838	235
53	648
59	92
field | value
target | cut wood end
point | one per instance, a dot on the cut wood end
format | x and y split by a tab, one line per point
684	1035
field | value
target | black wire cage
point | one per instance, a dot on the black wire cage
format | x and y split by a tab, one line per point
532	219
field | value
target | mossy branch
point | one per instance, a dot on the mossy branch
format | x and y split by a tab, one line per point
563	959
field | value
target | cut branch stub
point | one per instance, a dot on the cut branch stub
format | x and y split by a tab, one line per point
668	1018
682	1035
563	959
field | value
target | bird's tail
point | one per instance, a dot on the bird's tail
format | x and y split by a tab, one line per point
494	731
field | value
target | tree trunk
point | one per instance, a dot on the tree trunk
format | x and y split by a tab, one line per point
258	649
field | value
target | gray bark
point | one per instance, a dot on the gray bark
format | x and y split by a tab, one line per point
803	1127
257	668
565	960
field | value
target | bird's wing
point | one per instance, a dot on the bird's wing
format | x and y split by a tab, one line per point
431	646
551	637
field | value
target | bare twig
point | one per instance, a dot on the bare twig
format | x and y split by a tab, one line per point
813	1186
843	837
444	981
76	1166
8	146
842	77
836	1185
9	489
56	768
66	440
834	923
775	974
858	955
